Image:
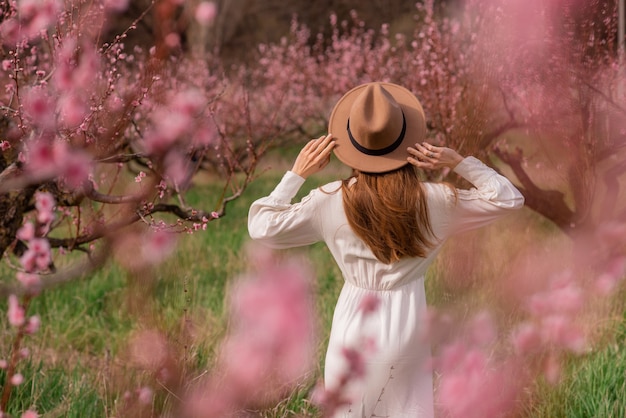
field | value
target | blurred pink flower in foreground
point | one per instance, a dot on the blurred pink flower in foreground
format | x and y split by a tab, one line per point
49	158
270	345
30	281
206	12
44	203
38	256
15	312
476	387
17	379
30	414
26	232
116	5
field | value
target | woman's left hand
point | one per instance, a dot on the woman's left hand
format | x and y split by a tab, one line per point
314	156
430	157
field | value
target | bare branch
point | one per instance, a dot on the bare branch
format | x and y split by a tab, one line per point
190	215
91	264
599	92
121	158
96	196
549	203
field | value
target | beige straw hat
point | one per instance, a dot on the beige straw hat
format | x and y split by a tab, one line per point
373	124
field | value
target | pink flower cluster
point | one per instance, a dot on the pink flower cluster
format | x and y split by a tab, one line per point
47	159
473	382
270	344
555	311
38	256
206	12
174	121
31	18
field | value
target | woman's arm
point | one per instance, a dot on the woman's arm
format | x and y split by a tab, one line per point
493	195
277	223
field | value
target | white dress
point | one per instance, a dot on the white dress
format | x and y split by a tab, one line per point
397	383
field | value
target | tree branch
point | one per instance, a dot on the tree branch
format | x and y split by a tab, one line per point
81	269
96	196
549	203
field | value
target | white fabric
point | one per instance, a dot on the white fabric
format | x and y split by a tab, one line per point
398	383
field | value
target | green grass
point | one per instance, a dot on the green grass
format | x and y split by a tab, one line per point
81	351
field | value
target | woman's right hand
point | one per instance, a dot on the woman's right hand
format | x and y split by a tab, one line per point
314	156
430	157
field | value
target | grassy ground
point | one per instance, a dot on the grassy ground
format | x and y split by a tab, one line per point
78	366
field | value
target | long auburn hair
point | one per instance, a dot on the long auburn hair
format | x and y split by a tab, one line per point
388	211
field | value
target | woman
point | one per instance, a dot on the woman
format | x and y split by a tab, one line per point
384	227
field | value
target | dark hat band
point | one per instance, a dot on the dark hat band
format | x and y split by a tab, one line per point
382	151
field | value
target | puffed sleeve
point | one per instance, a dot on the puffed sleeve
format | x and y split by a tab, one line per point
277	223
493	196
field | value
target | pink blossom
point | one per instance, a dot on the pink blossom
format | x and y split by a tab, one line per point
204	135
552	370
560	298
157	142
369	304
42	158
140	177
271	340
145	395
116	5
15	312
10	31
526	339
562	332
76	169
26	232
605	284
44	203
6	65
474	388
41	248
31	282
39	106
38	14
172	40
157	246
177	168
17	379
28	260
483	329
37	256
356	362
3	364
452	355
33	324
172	124
30	414
5	145
616	266
206	12
189	102
72	109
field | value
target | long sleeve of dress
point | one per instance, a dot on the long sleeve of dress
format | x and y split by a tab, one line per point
493	196
277	223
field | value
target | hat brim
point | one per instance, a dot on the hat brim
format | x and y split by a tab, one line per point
349	155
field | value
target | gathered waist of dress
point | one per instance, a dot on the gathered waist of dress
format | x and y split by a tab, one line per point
386	286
